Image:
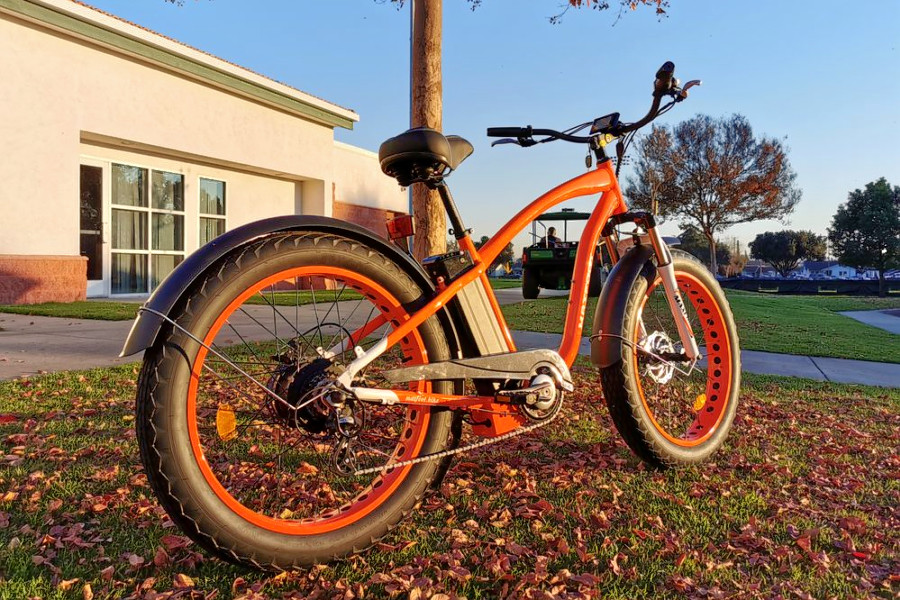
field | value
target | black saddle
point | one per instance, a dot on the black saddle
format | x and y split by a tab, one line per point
422	155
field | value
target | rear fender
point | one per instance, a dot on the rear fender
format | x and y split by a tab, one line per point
173	288
609	319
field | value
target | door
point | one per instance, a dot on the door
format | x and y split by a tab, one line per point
93	242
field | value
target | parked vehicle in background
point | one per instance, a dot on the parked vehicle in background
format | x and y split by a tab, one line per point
549	262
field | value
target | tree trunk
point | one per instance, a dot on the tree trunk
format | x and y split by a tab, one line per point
881	285
713	265
427	108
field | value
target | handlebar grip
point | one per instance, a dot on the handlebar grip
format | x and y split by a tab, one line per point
513	132
663	81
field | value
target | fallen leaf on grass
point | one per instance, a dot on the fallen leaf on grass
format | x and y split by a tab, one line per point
182	581
66	584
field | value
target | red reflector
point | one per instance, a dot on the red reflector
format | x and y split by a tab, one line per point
400	227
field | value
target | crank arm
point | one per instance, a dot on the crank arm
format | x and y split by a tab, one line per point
512	365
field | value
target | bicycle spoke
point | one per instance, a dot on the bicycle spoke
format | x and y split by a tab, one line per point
271	451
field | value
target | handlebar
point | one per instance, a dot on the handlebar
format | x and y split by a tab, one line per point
513	132
525	133
665	84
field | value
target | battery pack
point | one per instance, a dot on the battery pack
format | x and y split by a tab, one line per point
483	325
473	300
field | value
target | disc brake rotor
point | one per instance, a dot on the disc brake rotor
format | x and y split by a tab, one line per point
659	343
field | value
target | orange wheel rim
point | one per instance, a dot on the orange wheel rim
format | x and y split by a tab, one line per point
712	407
411	440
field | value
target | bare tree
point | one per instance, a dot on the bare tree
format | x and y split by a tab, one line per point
716	173
427	111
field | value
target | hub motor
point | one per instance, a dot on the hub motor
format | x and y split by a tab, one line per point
300	386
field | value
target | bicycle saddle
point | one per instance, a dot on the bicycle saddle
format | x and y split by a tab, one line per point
422	155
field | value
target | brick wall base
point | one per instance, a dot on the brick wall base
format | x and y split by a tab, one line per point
36	279
368	217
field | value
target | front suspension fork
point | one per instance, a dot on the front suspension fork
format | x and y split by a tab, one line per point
666	271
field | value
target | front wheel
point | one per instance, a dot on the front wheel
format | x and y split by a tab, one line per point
668	412
248	447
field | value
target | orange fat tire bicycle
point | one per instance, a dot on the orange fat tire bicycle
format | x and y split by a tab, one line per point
304	381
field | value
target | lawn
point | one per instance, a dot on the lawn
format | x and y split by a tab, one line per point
125	311
800	503
505	284
805	325
102	309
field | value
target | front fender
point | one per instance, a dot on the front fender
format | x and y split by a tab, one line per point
147	324
609	319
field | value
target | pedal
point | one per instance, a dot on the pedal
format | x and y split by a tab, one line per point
540	394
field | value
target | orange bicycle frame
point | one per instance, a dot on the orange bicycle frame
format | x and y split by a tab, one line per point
601	180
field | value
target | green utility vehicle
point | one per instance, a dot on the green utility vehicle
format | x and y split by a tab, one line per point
549	262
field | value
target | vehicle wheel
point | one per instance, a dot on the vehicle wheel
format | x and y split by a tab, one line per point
666	416
250	478
596	284
530	285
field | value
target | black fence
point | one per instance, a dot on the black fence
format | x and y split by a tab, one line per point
803	286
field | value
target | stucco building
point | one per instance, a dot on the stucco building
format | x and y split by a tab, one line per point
124	151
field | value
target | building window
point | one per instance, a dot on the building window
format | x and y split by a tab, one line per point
212	209
147	227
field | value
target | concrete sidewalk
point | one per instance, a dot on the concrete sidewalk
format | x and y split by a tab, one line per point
33	345
765	363
889	320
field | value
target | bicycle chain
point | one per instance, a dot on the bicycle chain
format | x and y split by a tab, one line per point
461	449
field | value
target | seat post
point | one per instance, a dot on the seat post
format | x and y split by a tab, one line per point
459	230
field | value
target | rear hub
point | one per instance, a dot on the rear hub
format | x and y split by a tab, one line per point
304	389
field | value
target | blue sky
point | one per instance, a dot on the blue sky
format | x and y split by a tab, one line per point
823	75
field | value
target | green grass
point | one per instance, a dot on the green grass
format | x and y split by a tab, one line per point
101	309
801	502
505	284
304	297
125	311
804	325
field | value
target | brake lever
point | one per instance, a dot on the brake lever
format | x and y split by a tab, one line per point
505	141
683	92
523	142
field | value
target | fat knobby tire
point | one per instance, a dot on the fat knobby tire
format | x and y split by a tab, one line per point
621	387
530	285
161	417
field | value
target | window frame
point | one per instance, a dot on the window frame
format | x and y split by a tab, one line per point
202	215
149	211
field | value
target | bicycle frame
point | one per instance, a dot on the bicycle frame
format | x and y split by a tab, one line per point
601	180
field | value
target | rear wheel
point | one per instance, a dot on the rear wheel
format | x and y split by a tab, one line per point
530	285
247	447
666	412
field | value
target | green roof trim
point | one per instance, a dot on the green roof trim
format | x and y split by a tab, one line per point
173	60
